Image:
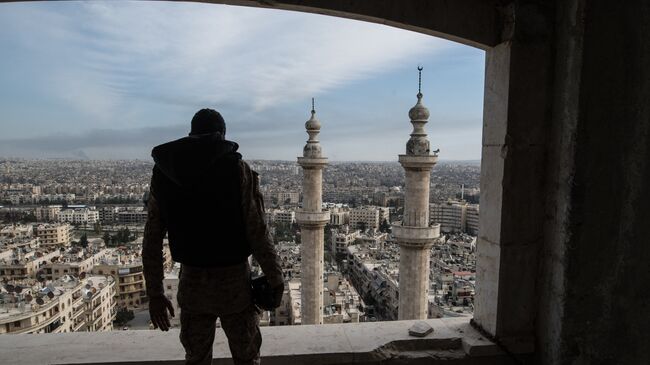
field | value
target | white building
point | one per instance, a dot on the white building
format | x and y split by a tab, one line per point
79	216
366	217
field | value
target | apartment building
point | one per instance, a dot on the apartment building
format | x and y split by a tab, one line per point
47	213
108	215
280	216
24	262
369	217
132	216
455	216
341	239
17	231
53	234
74	262
472	215
129	278
65	305
339	216
79	216
288	197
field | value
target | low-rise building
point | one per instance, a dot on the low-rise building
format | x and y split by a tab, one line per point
16	231
24	262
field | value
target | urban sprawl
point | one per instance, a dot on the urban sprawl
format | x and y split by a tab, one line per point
71	240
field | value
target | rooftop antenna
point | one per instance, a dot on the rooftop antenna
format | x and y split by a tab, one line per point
313	110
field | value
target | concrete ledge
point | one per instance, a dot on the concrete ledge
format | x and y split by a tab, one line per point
453	340
424	235
424	163
317	219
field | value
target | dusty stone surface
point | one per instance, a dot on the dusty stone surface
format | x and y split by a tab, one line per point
385	342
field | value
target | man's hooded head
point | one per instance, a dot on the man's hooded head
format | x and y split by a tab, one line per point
208	121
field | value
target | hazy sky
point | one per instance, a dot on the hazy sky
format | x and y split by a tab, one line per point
105	80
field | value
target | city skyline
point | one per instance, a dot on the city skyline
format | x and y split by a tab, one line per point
139	71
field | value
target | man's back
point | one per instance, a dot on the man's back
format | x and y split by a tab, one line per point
197	183
208	200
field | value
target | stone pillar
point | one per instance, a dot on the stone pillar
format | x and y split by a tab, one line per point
414	236
312	220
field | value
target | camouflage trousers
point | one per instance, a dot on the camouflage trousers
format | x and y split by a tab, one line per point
205	294
242	330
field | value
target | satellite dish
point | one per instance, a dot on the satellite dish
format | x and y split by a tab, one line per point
40	278
82	275
89	294
90	282
50	295
10	288
101	285
87	286
28	298
39	301
18	289
93	290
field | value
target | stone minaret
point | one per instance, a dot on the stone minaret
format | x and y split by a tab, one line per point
312	220
415	236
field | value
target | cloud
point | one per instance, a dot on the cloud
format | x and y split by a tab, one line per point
104	74
108	54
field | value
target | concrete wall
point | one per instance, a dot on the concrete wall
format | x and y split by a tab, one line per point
596	273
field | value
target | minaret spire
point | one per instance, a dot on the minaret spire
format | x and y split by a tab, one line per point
312	220
415	236
420	68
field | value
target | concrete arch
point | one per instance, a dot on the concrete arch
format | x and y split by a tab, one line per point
472	22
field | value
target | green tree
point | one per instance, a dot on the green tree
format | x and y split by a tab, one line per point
97	227
108	240
123	316
384	227
29	218
83	241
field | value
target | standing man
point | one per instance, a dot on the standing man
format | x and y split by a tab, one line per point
207	199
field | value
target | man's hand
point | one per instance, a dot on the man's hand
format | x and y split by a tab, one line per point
158	307
277	294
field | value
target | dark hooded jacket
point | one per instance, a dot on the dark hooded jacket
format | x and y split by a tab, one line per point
196	181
